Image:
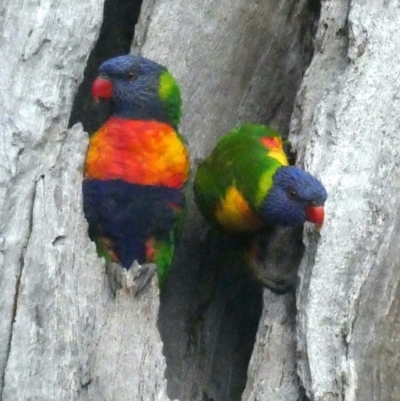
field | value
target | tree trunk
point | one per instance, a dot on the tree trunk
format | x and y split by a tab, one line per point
345	126
64	335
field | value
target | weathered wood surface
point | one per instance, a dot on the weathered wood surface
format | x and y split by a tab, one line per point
346	129
63	335
43	48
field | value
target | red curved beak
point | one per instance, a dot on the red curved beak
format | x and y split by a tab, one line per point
102	89
315	214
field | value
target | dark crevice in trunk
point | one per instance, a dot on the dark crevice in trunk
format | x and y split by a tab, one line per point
303	395
116	34
314	7
208	319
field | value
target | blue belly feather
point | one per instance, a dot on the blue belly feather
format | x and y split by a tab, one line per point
128	214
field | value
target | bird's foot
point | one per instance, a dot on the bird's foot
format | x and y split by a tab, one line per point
142	275
133	280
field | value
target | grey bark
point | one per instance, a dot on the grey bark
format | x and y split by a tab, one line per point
63	333
346	127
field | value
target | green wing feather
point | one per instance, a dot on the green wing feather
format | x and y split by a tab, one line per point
165	249
240	160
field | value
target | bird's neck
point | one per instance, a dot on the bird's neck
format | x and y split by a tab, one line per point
134	111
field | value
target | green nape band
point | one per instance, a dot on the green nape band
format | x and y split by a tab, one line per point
170	96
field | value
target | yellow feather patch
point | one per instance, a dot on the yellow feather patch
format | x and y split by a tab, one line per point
167	84
274	145
279	155
234	213
275	151
264	185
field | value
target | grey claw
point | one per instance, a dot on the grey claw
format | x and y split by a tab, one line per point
141	275
133	280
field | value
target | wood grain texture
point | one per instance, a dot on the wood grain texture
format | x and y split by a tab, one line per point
63	334
43	47
345	128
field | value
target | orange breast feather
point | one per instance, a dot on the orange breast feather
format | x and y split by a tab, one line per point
140	152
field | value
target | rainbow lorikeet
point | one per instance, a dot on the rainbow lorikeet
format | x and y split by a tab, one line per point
246	184
136	165
247	189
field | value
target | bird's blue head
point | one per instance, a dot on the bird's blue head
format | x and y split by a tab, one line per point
139	88
294	198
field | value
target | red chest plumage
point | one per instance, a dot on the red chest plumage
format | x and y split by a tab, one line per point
139	152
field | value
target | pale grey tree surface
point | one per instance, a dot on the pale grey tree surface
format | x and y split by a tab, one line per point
345	130
64	335
40	69
346	127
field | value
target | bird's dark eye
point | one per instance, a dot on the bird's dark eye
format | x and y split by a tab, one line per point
292	194
131	75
